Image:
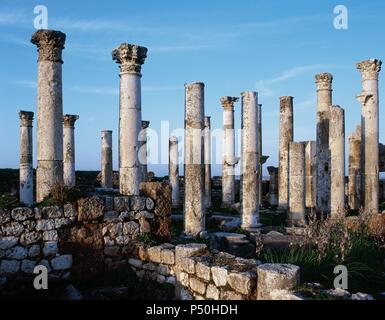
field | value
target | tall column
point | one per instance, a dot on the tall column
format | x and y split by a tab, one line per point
143	150
194	204
26	167
311	173
107	168
354	171
297	186
249	165
229	160
337	161
369	117
207	159
69	177
273	185
173	169
324	102
49	171
260	169
130	59
286	135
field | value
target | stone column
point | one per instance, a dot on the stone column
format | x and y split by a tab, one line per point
297	185
26	166
286	135
337	161
130	59
207	159
369	117
260	168
194	205
354	171
173	169
229	160
49	171
311	173
249	165
143	150
107	168
324	102
273	186
69	177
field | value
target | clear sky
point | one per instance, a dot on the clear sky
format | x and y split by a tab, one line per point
272	47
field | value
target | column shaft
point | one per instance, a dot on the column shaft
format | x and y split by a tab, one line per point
194	204
26	166
143	150
311	173
107	167
69	177
354	171
207	160
174	171
273	186
249	165
297	186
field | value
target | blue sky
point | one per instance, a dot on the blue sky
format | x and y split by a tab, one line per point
273	47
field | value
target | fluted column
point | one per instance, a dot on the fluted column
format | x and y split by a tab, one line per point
370	125
337	161
130	59
194	203
324	102
273	185
297	186
173	169
207	159
286	135
107	167
354	171
49	172
26	166
69	177
143	150
229	160
249	165
311	173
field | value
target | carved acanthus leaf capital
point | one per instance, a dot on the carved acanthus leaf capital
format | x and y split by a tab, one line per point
228	102
26	118
50	44
69	120
145	124
130	57
369	69
324	81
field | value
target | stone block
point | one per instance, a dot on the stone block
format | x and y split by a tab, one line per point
122	203
212	292
130	228
164	270
5	216
63	262
111	216
153	254
27	266
167	256
52	212
45	225
50	248
70	211
230	295
34	251
189	250
51	235
8	242
137	203
242	282
184	279
135	263
203	270
149	204
90	209
13	229
197	285
187	265
28	238
22	214
9	266
219	275
18	253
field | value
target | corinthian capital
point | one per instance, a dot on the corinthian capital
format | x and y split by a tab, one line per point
228	102
50	44
26	118
130	57
369	69
324	81
69	120
145	124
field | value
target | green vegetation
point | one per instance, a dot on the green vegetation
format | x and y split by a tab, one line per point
8	201
61	195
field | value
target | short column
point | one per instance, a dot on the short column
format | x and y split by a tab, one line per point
273	185
173	169
69	177
354	170
107	168
207	159
143	150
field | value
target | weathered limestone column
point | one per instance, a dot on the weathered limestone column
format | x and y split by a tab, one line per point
143	150
107	168
311	173
369	117
229	160
194	201
26	166
49	171
286	135
297	185
324	102
249	164
207	159
337	161
69	177
273	185
354	171
130	58
260	164
173	169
